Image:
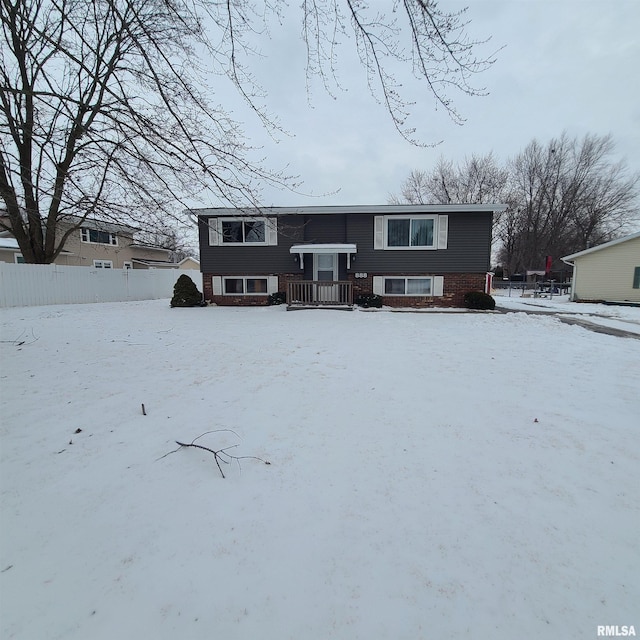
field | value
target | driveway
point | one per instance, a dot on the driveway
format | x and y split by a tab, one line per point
580	316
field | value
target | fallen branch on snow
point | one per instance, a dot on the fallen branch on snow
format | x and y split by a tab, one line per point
18	342
219	455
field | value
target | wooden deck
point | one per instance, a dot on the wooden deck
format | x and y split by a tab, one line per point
312	294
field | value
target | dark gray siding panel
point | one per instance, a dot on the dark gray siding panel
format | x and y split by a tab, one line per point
325	229
469	248
252	260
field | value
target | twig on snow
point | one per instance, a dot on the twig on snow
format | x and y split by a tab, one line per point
219	455
18	342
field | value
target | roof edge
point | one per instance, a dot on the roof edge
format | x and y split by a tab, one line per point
605	245
375	209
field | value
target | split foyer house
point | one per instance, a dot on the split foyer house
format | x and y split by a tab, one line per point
609	272
411	255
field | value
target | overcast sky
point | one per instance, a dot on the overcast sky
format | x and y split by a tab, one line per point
566	65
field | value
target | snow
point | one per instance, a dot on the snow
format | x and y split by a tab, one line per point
463	475
617	316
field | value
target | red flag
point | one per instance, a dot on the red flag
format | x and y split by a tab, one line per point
548	265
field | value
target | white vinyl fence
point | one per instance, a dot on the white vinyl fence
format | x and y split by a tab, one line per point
27	285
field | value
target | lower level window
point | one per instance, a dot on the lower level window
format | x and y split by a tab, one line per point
407	286
103	264
245	286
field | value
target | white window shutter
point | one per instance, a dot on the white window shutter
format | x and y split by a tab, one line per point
272	231
378	285
443	231
216	283
214	236
378	232
438	285
272	284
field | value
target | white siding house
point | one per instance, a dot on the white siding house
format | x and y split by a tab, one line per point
609	272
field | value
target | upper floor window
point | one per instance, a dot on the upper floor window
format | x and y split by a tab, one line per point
98	237
103	264
411	232
243	231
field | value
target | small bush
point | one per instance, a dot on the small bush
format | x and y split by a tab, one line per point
479	300
185	293
367	300
277	298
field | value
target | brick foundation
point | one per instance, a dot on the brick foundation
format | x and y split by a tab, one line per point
455	286
244	301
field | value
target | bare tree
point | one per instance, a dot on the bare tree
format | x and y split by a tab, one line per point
477	180
565	196
561	197
106	112
179	240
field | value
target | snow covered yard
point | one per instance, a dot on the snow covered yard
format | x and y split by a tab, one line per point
432	475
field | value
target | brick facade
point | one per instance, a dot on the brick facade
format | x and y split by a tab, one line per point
455	286
244	301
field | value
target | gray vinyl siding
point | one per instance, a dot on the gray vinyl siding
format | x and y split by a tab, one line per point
249	260
468	249
326	229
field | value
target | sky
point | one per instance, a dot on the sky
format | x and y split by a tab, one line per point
565	65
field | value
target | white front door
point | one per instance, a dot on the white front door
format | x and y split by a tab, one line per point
325	269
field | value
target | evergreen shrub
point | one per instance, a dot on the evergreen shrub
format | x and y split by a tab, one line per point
279	297
186	294
367	300
479	300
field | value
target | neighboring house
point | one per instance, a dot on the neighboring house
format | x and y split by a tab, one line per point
101	245
411	255
189	263
609	272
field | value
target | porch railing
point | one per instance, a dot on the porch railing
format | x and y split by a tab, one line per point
319	293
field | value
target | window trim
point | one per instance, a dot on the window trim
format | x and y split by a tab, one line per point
410	247
437	285
18	258
244	285
406	280
102	263
636	278
216	235
440	232
113	238
217	284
